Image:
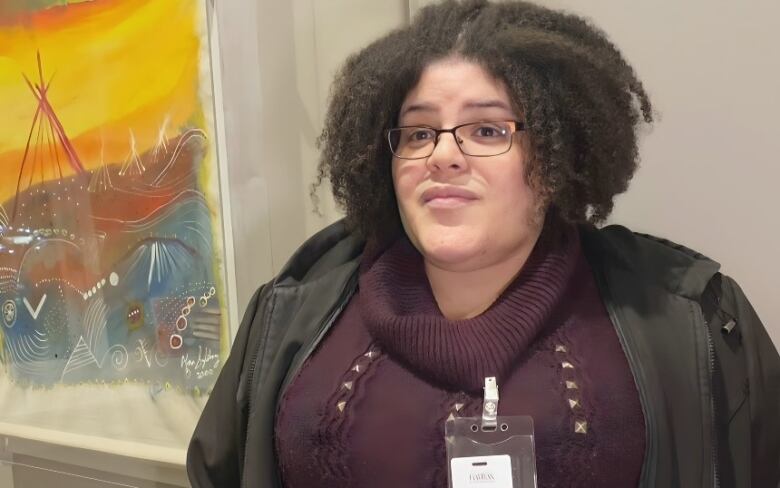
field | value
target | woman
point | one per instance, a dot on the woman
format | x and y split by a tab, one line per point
473	152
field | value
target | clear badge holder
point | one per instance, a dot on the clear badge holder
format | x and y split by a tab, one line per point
491	451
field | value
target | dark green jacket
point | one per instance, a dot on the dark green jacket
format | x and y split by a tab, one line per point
711	398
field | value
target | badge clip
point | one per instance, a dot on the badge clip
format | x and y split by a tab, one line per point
490	405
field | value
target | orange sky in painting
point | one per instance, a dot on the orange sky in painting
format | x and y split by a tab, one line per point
116	66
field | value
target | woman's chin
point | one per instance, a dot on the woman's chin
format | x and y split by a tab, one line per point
449	251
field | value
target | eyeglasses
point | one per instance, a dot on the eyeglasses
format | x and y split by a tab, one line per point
481	139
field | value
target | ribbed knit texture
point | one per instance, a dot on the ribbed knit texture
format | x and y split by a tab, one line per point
401	313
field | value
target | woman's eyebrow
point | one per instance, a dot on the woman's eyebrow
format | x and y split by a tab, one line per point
487	104
418	107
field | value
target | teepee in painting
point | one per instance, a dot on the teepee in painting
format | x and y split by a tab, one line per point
49	153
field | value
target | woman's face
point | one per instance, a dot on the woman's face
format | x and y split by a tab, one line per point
493	211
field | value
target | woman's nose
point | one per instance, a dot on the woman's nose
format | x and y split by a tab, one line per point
446	154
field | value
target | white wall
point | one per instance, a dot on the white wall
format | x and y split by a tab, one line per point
278	59
326	32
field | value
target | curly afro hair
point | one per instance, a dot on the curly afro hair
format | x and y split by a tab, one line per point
581	101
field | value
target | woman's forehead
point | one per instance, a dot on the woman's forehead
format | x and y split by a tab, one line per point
456	84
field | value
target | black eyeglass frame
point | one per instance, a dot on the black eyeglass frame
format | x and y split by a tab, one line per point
519	126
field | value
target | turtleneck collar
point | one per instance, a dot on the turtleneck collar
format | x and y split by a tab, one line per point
398	307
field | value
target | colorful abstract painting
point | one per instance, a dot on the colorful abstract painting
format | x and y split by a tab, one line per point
111	245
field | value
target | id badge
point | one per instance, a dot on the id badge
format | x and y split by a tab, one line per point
490	451
496	458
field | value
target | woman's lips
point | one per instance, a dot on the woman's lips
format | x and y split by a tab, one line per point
447	197
448	202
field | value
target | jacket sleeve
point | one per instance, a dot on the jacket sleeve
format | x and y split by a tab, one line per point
215	453
763	371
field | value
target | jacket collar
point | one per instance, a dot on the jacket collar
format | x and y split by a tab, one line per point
677	269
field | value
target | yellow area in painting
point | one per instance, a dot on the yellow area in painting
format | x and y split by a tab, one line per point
116	67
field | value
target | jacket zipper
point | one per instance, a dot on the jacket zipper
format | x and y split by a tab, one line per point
711	365
638	372
650	460
250	375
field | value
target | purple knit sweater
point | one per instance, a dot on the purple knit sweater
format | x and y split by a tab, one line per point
368	407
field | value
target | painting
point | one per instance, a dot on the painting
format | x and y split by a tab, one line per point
111	244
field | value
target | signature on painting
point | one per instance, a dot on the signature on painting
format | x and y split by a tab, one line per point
205	364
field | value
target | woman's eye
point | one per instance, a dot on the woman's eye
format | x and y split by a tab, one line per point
488	131
420	135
